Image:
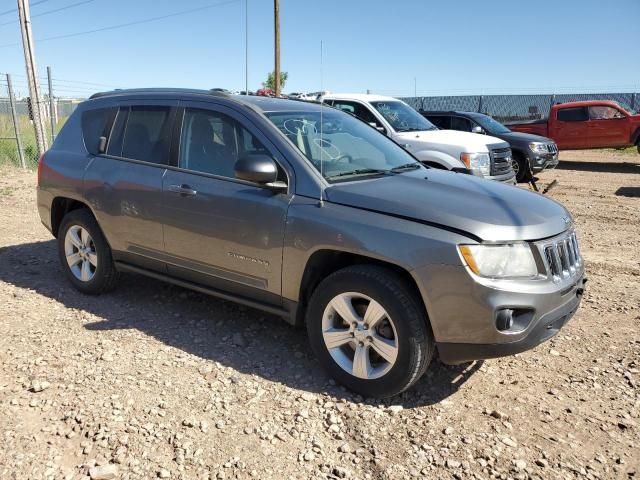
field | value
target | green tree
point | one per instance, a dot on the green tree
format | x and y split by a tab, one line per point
271	80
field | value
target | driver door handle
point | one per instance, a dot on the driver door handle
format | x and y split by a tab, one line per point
184	190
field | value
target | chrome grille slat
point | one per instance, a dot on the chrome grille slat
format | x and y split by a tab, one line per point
500	160
562	256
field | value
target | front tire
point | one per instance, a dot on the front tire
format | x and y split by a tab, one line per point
369	330
85	255
521	168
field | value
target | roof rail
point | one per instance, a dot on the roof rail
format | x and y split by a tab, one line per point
128	91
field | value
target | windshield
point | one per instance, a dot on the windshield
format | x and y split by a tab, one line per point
402	117
342	147
490	125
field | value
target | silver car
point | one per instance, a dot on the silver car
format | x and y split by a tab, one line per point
304	211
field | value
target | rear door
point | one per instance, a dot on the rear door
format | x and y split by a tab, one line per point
124	184
608	127
220	231
571	128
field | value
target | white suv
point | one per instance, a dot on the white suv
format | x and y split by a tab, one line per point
484	156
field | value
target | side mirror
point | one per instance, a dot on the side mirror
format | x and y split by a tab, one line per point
377	127
477	129
259	168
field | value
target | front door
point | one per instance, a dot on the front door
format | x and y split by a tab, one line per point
608	127
219	231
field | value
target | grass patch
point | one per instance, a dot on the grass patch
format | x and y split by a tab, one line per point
8	147
624	151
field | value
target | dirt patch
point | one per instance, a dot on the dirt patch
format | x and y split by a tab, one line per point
158	381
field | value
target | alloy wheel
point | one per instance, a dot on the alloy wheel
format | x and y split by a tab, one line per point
360	335
80	252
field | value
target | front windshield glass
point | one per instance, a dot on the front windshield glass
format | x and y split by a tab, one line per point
402	117
342	147
490	125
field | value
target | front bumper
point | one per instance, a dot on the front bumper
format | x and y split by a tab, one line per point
545	328
540	162
508	178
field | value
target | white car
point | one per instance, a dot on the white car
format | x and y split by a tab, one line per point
484	155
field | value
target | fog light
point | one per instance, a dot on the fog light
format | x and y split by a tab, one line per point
504	319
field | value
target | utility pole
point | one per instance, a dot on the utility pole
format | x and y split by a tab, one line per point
276	19
246	47
30	63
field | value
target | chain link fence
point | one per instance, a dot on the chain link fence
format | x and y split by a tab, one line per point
515	108
18	145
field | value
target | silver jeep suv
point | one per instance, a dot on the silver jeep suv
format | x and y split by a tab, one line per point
304	211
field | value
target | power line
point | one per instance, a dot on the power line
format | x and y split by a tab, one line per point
53	11
7	12
128	24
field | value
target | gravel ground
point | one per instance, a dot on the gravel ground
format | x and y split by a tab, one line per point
154	381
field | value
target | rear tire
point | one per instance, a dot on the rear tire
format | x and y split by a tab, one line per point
85	255
369	330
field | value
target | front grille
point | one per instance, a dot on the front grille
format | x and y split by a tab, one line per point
563	257
500	161
552	148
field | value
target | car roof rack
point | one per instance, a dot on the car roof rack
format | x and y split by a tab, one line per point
129	91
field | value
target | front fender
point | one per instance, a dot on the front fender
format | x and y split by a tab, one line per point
333	227
438	158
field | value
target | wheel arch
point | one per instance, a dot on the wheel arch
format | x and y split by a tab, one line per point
61	206
324	262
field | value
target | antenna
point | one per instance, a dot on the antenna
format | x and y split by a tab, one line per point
321	203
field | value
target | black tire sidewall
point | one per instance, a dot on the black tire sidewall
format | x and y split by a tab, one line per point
415	344
85	219
524	173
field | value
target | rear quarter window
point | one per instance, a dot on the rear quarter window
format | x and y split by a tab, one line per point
95	124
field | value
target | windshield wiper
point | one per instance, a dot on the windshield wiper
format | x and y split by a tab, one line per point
360	171
406	166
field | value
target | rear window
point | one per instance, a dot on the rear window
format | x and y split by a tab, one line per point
95	124
147	134
574	114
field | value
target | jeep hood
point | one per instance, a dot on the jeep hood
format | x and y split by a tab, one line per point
465	203
524	137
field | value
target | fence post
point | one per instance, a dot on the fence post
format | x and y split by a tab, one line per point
52	112
633	102
14	117
480	101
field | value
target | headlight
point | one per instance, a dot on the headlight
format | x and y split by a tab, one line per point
500	261
477	161
538	147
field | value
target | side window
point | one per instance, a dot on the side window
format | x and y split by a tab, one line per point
574	114
357	109
441	121
212	142
147	134
95	124
345	106
602	112
459	123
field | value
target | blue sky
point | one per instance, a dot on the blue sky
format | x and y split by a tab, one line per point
449	47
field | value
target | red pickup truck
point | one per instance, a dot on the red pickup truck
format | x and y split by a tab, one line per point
589	124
